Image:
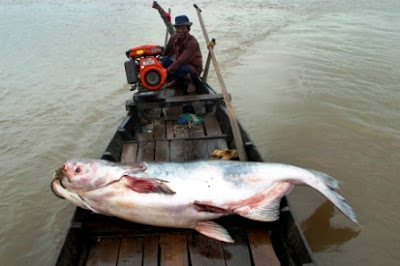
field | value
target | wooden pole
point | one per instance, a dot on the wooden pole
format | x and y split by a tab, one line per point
237	137
205	74
166	34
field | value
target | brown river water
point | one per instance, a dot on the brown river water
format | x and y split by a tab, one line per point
316	84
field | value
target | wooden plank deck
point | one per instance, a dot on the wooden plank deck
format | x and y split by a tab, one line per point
132	244
130	251
169	141
186	247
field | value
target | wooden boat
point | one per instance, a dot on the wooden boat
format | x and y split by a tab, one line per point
150	132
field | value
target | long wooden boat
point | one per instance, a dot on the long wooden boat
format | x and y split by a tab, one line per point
150	132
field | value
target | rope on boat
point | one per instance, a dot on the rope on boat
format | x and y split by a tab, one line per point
194	128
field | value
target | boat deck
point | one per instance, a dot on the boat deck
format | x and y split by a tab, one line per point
169	141
94	239
180	247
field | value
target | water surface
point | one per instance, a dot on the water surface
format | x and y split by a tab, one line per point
316	84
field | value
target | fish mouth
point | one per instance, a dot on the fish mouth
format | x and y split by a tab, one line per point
57	179
59	174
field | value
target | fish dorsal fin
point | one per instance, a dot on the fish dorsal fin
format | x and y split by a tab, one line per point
213	230
263	206
147	185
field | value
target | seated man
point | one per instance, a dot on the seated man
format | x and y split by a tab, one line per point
182	56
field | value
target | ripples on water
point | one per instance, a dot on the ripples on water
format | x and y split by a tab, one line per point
322	79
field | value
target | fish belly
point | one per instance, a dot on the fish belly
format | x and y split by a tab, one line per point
152	209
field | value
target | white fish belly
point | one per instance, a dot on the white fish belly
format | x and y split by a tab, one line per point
150	208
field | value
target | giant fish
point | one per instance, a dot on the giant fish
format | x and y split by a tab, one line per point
188	194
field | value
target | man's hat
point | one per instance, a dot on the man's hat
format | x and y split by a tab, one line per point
182	20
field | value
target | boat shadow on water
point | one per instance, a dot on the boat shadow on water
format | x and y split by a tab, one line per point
321	234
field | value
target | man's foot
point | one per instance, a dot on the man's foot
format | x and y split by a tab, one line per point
191	87
170	84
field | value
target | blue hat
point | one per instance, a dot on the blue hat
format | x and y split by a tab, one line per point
182	20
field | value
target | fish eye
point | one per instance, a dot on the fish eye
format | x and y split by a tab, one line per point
78	169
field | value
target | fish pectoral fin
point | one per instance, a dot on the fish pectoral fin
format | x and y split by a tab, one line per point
264	206
207	207
147	185
213	230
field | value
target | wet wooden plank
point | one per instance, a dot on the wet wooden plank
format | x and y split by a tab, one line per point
172	112
159	129
104	252
170	129
130	252
195	97
150	250
223	136
196	149
143	136
177	151
205	251
196	130
146	132
261	248
146	151
211	125
162	151
237	254
190	150
129	152
173	250
181	131
169	92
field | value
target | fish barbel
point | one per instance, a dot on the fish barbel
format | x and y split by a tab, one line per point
188	194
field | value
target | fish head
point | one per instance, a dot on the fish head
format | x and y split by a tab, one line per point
82	175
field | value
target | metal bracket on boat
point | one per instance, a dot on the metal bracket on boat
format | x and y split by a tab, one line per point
145	93
134	87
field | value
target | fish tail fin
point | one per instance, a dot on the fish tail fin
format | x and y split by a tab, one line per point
329	181
327	186
213	230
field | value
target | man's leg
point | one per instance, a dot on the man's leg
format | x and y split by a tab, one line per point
186	73
191	87
166	62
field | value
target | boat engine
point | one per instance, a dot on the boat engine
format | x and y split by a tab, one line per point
143	70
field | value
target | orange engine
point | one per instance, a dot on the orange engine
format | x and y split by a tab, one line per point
152	74
143	67
145	50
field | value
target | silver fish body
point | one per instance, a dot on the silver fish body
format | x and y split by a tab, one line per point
189	194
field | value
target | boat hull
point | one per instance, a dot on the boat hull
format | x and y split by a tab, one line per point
150	133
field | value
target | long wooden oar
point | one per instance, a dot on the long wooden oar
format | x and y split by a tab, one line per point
237	137
207	66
